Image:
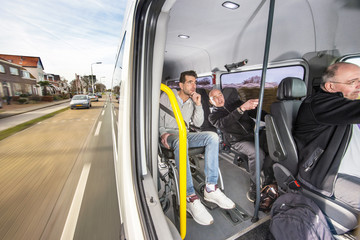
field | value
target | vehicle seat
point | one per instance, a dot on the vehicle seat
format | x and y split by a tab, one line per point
283	150
206	126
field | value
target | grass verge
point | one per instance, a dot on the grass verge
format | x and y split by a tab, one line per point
10	131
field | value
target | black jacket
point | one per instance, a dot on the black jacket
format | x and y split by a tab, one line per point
322	132
235	126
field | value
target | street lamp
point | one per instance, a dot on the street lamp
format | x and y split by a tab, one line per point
92	76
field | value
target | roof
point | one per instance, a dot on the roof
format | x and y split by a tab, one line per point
24	61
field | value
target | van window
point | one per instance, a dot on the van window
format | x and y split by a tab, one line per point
248	82
202	82
354	60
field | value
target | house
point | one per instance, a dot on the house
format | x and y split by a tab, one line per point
16	80
32	64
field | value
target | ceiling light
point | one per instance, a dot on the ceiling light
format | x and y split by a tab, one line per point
183	36
230	5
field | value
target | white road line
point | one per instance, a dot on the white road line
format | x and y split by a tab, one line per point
98	129
102	114
73	215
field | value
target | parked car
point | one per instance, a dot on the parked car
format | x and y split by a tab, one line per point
80	101
99	94
93	97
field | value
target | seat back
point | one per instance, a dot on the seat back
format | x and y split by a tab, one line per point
279	124
206	126
231	95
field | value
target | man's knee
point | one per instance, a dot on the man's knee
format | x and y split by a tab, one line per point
213	137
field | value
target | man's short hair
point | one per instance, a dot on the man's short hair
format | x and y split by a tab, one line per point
187	73
331	71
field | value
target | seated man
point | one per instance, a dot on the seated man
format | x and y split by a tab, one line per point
190	106
328	136
237	126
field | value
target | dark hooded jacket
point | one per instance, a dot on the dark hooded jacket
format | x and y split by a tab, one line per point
235	126
322	132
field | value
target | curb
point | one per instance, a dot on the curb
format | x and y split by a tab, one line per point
10	114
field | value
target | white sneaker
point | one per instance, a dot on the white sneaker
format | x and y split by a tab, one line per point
219	198
199	212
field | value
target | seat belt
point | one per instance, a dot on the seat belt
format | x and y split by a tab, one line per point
171	113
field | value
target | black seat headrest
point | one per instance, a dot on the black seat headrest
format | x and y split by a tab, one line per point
291	88
231	95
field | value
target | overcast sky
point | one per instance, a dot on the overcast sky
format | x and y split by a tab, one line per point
68	35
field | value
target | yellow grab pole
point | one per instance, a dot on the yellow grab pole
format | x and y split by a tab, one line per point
182	156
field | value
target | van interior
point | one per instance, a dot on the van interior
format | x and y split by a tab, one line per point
227	44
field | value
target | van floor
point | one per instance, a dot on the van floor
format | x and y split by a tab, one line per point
238	223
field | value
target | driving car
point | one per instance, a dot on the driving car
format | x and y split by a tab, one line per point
80	101
93	97
99	94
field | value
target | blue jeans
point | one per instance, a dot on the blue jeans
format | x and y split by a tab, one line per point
210	141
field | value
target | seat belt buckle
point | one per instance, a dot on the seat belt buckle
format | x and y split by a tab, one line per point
294	185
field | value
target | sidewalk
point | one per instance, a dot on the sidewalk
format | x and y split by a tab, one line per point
15	108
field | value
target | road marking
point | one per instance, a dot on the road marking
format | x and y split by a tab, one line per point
98	129
73	215
102	114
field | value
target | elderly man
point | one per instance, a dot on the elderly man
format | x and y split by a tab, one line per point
328	136
190	106
236	123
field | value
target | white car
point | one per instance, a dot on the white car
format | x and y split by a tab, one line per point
93	97
80	101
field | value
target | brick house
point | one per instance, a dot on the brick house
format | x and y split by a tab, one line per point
32	64
15	80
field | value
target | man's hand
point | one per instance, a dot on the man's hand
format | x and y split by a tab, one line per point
196	98
164	140
249	104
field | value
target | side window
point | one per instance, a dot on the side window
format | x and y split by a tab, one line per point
2	69
25	74
247	83
202	82
14	71
117	77
353	59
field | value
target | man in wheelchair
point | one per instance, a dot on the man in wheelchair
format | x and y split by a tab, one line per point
237	126
190	106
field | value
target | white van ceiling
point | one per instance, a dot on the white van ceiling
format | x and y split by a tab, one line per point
218	36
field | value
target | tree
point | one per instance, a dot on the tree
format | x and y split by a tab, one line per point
44	85
99	87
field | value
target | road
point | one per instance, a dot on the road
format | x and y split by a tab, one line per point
57	178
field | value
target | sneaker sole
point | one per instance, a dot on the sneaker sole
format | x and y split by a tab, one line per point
210	200
199	222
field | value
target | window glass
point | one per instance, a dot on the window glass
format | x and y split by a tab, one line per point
28	89
248	82
202	82
2	69
25	74
17	88
354	60
14	71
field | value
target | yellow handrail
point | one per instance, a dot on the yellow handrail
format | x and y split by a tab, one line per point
182	156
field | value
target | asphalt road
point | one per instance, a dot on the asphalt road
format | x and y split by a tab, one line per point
57	178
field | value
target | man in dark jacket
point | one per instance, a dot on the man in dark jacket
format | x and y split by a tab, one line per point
236	123
328	137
